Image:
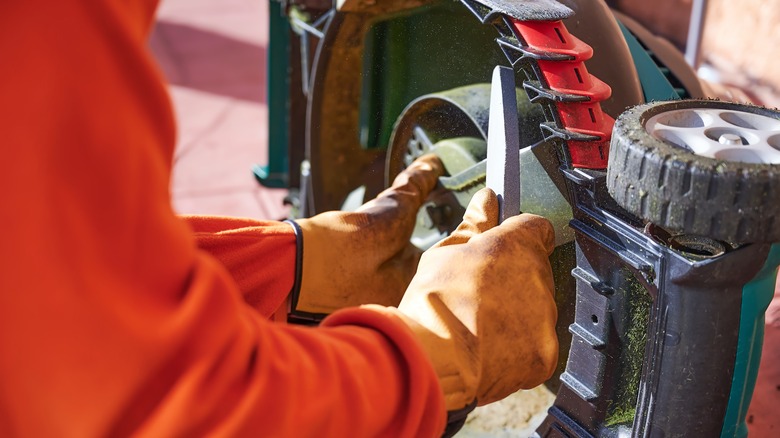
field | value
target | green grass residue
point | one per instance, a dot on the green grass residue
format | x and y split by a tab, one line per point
622	407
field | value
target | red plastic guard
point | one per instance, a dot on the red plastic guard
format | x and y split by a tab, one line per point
571	77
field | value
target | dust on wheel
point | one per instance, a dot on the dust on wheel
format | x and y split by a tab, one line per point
703	167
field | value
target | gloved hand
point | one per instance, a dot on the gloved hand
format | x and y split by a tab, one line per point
362	257
482	305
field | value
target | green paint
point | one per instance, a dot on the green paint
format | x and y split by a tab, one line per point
637	303
275	174
433	49
756	297
655	85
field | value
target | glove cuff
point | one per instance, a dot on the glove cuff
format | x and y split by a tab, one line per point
294	315
457	418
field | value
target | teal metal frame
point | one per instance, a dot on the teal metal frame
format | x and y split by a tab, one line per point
275	174
654	78
756	297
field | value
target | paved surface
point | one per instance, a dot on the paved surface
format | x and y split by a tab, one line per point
213	54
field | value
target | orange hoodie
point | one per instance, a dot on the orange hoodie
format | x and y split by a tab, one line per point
112	320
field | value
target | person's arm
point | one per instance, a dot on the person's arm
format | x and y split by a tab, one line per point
260	256
112	321
333	260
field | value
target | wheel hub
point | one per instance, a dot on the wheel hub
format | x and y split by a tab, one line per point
722	134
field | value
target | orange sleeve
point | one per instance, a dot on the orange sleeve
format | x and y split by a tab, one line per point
260	256
112	321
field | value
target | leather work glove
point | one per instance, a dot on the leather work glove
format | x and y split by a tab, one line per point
363	257
482	305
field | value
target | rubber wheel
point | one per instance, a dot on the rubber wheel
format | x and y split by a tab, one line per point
701	167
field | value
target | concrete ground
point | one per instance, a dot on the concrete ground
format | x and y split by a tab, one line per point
213	54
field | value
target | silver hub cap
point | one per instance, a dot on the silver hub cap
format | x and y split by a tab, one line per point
721	134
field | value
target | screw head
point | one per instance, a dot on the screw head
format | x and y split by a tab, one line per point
730	139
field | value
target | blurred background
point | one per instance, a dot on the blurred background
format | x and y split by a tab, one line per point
213	54
739	42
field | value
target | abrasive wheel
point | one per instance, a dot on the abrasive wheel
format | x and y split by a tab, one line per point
701	167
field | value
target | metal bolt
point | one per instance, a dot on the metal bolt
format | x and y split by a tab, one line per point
730	139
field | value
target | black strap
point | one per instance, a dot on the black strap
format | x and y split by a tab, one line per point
294	315
456	419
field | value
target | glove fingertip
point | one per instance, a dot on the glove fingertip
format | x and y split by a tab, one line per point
432	162
481	215
425	172
537	226
547	233
483	209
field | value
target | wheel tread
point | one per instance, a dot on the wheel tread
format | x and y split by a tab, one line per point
664	215
690	217
662	173
686	186
712	188
683	192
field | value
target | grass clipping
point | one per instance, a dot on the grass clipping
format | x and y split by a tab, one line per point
637	305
